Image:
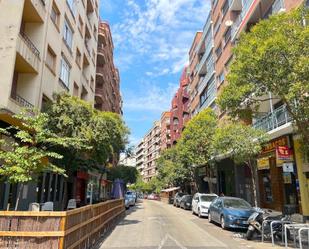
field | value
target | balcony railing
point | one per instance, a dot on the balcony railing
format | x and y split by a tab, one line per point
277	118
29	43
21	101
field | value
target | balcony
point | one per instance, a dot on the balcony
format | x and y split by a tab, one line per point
210	95
101	57
201	68
21	101
34	11
205	81
271	121
28	56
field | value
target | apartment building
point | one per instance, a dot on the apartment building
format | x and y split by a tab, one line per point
107	90
140	157
165	130
193	76
277	188
180	108
46	46
152	142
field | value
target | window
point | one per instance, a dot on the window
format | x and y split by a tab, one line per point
50	59
225	7
219	51
76	90
227	35
78	58
65	72
221	77
68	35
92	83
71	4
46	103
217	26
55	14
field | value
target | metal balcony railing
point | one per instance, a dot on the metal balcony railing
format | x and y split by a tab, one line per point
277	118
20	100
29	43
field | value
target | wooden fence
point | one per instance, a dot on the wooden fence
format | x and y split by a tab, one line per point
74	229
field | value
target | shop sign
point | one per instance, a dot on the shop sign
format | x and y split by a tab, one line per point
271	146
263	163
284	153
287	178
288	167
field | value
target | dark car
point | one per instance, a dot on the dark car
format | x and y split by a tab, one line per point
230	212
177	198
186	202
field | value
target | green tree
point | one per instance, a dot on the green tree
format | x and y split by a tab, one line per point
272	57
25	152
171	170
194	147
242	143
126	173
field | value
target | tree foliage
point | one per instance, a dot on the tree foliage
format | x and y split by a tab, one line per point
272	57
126	173
242	143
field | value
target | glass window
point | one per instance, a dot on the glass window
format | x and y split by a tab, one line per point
71	4
221	77
236	203
50	58
219	51
225	7
54	14
217	26
207	198
67	34
227	34
65	72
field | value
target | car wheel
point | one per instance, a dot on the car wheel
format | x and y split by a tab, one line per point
222	222
199	213
209	218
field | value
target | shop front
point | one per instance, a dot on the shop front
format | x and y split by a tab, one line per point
277	175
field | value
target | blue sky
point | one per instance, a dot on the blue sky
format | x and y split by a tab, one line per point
152	39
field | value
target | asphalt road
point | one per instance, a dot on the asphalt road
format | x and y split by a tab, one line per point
155	225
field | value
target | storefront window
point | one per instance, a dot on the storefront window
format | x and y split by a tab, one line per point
267	187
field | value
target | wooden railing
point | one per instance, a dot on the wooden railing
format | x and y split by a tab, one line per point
78	228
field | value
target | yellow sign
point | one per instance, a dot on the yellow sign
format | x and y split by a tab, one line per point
263	163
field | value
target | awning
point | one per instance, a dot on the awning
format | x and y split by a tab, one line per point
170	189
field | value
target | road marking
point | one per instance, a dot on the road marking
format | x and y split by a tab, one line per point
168	236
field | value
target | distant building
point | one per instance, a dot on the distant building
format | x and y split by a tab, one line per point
107	90
140	156
127	160
180	108
165	130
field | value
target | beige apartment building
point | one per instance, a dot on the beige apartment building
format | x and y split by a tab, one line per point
152	142
140	157
46	46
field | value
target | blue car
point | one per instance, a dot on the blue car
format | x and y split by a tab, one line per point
230	212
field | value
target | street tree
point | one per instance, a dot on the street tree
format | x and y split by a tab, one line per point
241	142
25	153
171	170
126	173
194	147
273	57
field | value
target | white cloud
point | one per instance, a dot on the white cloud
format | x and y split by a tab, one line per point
151	98
160	31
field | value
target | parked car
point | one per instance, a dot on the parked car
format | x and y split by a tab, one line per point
230	212
201	203
186	202
177	198
153	197
131	197
127	202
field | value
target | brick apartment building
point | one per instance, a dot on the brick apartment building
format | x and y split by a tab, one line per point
180	108
107	90
165	130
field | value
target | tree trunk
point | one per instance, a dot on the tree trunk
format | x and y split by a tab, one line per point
100	186
252	170
210	185
20	187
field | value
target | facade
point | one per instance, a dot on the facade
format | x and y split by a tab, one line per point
107	90
282	181
46	47
180	108
165	130
127	160
152	148
194	78
140	157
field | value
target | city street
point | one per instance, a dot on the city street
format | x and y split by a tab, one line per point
155	225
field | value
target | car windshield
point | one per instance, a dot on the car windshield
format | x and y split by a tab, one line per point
207	198
236	203
180	194
187	198
129	193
